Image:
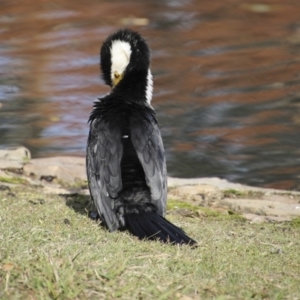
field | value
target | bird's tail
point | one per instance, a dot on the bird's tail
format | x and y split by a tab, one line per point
150	225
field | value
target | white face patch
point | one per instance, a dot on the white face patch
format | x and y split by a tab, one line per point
120	57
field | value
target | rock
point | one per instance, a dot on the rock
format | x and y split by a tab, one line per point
201	194
253	218
271	206
223	185
255	204
6	164
69	170
14	158
15	154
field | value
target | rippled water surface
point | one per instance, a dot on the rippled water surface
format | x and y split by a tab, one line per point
226	79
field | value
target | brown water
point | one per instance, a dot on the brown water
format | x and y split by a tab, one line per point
226	79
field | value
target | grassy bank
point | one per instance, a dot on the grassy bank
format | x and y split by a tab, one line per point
49	249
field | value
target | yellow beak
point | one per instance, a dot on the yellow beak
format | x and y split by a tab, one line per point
117	78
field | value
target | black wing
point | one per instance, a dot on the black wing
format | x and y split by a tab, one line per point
147	141
104	154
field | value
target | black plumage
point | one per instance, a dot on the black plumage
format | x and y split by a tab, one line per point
126	164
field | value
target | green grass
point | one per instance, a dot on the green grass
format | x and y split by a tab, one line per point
296	222
49	249
200	211
13	180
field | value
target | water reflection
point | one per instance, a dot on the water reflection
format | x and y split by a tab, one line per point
227	79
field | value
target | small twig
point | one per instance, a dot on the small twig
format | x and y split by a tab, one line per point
7	281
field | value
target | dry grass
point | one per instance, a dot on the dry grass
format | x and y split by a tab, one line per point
49	249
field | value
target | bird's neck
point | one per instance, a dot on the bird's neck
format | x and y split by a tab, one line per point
135	86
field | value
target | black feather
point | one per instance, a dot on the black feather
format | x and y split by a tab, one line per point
154	227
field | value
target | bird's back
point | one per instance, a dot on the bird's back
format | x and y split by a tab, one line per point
118	145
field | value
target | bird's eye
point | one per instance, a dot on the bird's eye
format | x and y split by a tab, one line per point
117	75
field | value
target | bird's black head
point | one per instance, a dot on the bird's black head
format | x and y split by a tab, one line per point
123	53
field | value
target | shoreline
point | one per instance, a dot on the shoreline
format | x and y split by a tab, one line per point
67	175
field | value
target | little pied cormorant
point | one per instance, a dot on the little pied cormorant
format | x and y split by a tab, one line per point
126	165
